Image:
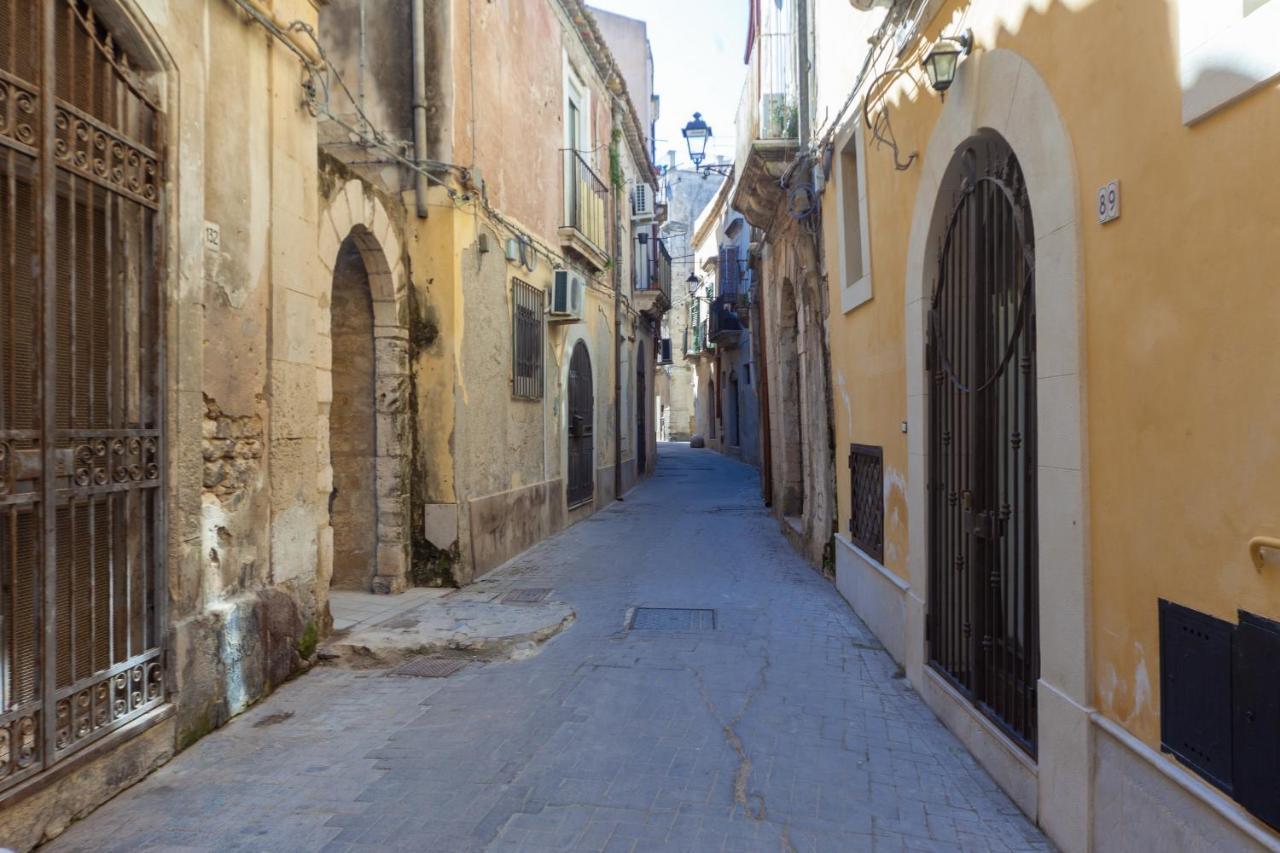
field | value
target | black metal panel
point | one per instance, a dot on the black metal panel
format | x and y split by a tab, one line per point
982	625
1195	691
1255	735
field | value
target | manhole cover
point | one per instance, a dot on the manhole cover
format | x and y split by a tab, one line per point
526	595
429	667
672	619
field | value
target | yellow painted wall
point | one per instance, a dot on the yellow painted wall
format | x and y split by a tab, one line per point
1180	332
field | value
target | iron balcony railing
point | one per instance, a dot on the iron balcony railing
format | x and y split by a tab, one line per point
586	198
653	265
769	108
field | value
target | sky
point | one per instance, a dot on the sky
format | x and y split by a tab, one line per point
698	47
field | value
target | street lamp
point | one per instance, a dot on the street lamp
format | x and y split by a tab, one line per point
943	59
693	283
696	135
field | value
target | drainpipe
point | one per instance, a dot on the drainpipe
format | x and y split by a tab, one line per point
617	314
420	104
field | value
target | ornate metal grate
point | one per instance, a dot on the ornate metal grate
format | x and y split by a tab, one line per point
982	619
866	476
81	387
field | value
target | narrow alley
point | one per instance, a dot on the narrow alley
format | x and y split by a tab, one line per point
772	722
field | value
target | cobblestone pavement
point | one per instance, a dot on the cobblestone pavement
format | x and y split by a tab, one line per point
783	728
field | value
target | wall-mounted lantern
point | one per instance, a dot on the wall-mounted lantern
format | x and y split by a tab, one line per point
693	283
697	134
943	59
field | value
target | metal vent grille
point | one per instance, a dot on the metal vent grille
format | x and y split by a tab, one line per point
528	595
423	667
672	619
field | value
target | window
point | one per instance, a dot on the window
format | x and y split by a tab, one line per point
851	218
1227	49
866	509
526	340
730	271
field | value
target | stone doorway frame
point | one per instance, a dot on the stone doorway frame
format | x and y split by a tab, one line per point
999	91
355	212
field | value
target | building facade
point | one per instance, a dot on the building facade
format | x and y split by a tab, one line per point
687	193
723	349
1047	460
353	339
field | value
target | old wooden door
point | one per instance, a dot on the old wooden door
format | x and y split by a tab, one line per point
581	427
81	438
983	602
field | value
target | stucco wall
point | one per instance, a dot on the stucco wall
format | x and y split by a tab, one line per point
1174	319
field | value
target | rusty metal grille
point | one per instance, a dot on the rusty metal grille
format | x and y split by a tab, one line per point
982	620
581	428
672	619
424	667
866	519
80	394
526	595
527	306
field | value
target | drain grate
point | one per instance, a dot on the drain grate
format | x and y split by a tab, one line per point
422	667
525	595
672	619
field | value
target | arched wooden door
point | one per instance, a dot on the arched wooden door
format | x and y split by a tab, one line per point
581	428
81	388
983	600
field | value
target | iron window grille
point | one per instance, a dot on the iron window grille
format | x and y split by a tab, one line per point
527	311
866	518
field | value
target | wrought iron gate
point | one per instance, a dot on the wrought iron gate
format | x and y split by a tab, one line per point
80	387
982	620
581	426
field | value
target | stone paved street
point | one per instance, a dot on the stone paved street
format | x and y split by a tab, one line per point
783	728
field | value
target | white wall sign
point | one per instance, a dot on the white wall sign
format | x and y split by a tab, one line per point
1109	202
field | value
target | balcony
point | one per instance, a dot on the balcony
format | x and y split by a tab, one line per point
585	232
768	114
724	328
652	283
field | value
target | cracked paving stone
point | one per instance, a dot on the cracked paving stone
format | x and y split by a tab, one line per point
782	729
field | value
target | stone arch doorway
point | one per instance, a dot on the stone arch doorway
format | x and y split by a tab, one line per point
790	393
353	439
581	428
642	438
368	418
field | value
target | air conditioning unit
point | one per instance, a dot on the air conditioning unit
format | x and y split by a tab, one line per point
642	202
567	296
